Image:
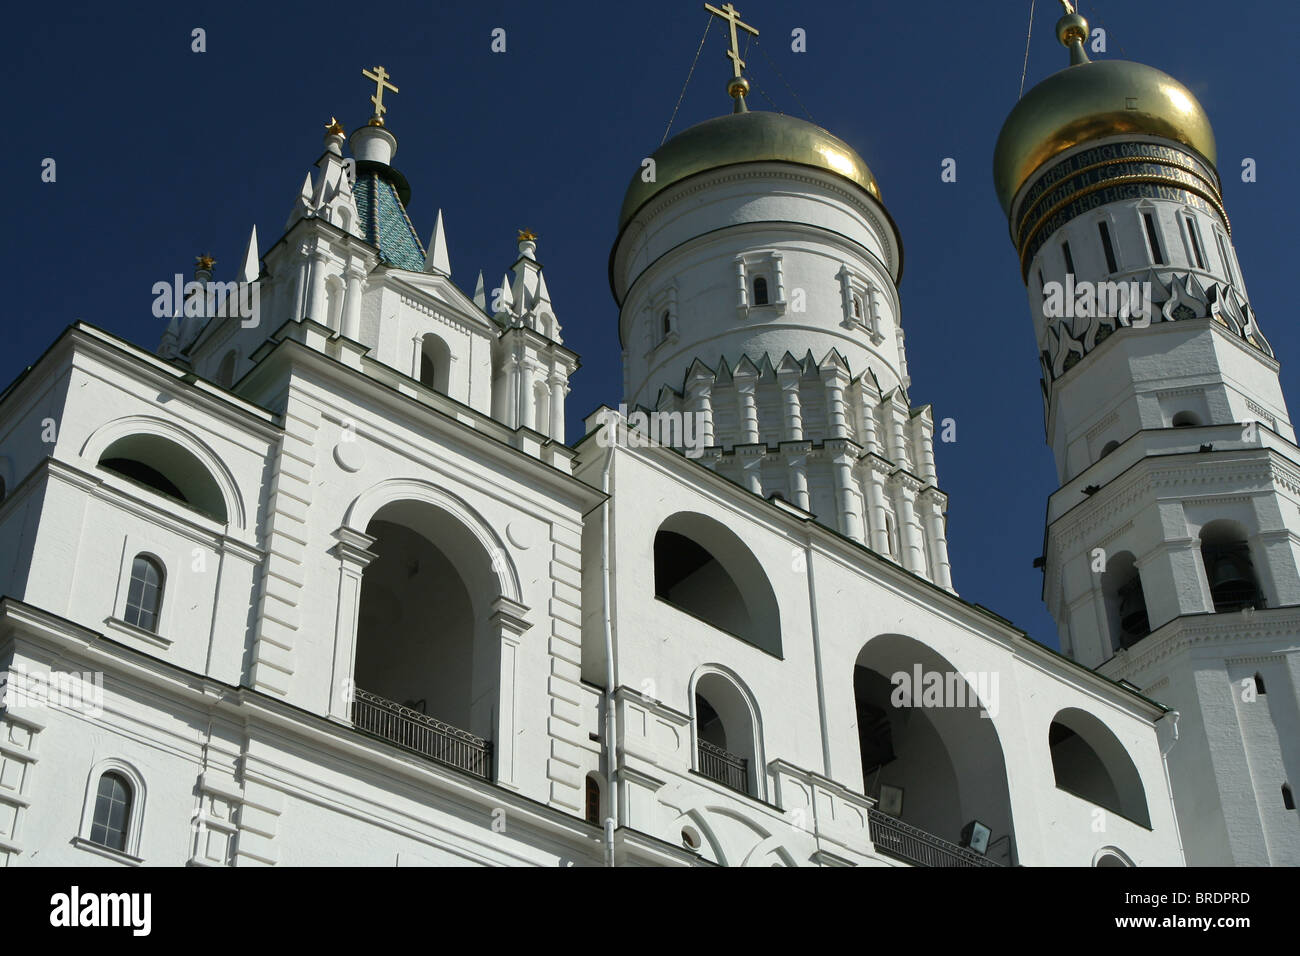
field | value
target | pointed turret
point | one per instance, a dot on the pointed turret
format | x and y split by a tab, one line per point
437	261
249	271
480	294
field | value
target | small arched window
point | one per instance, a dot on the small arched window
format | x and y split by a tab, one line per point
144	596
1185	420
112	816
3	489
1259	685
760	291
857	306
1288	799
665	325
593	799
1110	447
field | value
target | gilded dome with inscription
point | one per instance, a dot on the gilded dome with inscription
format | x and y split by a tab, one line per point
1088	101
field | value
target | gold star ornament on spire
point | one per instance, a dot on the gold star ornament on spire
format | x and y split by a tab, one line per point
380	77
205	262
732	17
334	127
527	235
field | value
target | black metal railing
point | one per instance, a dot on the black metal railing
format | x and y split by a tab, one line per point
911	845
413	731
724	767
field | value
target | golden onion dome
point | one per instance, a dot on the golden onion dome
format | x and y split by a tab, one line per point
1088	101
746	137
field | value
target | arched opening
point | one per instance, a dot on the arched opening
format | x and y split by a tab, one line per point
1109	447
1091	763
435	363
1228	567
665	325
726	741
1126	604
165	467
930	757
1186	420
427	671
704	569
334	303
226	371
760	291
1288	799
857	306
1112	858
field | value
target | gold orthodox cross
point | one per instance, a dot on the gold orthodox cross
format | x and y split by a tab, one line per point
380	78
732	16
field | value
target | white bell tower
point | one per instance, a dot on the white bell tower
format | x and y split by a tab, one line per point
756	270
1173	542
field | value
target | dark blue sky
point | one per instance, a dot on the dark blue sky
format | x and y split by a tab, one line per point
164	153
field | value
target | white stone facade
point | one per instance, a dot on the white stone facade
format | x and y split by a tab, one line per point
400	622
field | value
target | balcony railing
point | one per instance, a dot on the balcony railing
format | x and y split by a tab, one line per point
413	731
724	767
905	842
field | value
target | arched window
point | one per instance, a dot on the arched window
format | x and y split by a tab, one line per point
725	734
593	799
760	291
1185	420
163	466
435	363
109	825
1110	447
3	490
226	372
704	569
1259	685
1228	567
144	596
1288	800
857	307
665	325
1090	762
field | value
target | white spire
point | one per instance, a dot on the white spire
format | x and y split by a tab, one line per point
480	296
437	260
506	300
248	272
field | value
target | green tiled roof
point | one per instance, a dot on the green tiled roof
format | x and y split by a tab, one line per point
384	223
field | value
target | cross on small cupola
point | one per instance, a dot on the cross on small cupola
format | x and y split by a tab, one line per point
738	86
380	77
